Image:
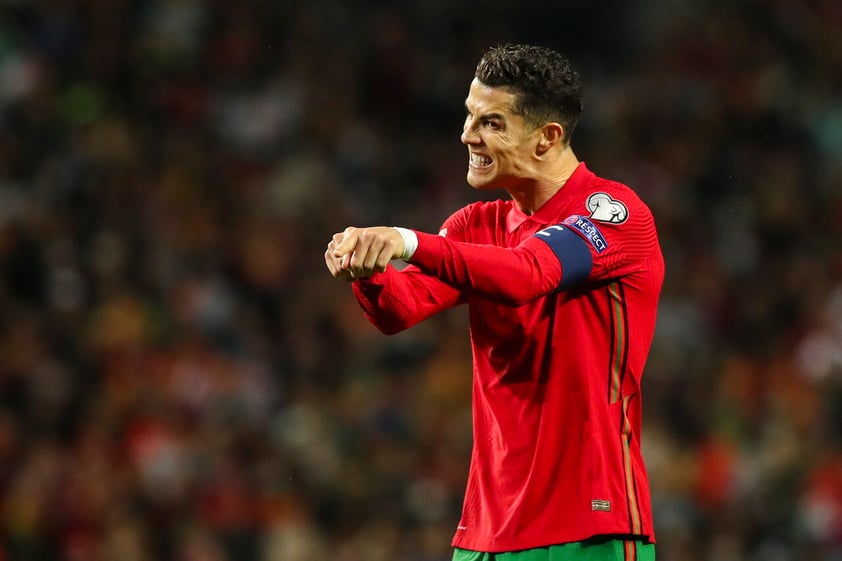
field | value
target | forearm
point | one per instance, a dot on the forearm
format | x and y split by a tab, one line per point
511	276
394	301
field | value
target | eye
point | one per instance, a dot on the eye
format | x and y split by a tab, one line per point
491	124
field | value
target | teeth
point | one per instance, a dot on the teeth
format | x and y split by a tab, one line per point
480	160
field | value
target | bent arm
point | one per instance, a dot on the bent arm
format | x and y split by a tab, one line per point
396	300
553	259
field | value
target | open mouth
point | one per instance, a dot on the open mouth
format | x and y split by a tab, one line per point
479	161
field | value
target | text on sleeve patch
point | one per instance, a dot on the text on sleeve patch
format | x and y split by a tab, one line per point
587	230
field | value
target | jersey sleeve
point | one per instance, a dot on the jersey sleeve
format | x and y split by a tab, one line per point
511	276
396	300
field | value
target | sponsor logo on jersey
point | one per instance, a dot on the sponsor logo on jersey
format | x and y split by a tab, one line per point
443	232
588	230
606	209
601	504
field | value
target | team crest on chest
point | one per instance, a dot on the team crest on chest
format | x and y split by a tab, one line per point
606	209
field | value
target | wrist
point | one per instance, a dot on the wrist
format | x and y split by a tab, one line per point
410	242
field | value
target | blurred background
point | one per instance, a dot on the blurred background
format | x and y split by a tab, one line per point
181	379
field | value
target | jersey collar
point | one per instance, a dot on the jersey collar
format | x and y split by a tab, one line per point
549	211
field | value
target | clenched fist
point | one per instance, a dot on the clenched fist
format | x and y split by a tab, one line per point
359	252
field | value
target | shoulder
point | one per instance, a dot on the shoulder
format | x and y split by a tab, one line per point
479	213
480	208
613	202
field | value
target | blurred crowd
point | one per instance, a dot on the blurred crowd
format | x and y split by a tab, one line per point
182	380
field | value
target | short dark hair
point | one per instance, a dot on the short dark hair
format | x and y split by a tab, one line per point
546	87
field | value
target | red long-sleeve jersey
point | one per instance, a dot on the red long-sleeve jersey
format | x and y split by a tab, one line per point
562	308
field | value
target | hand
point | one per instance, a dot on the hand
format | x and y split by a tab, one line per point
361	252
335	264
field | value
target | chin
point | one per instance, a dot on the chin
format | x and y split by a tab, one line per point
481	183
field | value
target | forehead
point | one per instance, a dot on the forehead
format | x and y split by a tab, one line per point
483	99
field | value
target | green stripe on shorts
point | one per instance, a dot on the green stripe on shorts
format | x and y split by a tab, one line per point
609	550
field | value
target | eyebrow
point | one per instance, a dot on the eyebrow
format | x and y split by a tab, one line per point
486	116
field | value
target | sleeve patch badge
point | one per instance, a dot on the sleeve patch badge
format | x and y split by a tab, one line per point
605	209
587	230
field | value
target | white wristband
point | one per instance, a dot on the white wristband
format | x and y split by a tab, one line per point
410	242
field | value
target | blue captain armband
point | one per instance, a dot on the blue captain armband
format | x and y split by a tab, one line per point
572	252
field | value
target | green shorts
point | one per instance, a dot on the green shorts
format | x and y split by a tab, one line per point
603	550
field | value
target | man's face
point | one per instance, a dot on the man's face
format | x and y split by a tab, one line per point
500	144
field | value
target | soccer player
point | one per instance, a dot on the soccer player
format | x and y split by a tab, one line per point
562	281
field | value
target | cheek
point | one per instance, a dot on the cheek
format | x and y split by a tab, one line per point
513	151
505	146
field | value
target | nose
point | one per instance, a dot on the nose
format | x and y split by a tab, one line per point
469	133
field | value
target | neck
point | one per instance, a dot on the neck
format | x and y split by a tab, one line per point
532	195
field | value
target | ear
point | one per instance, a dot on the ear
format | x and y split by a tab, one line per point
551	135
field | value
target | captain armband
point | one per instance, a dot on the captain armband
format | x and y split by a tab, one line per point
571	251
